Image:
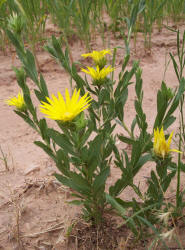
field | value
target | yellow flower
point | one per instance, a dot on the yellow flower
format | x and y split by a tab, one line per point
98	75
18	102
98	57
60	110
161	146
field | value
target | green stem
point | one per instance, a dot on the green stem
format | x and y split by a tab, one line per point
127	42
178	174
182	115
128	131
113	63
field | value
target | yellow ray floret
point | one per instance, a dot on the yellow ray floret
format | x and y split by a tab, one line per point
161	146
97	56
18	102
98	74
65	110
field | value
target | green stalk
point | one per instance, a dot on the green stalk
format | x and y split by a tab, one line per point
178	174
113	63
126	128
182	116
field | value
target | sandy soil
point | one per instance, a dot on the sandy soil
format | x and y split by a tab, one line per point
33	208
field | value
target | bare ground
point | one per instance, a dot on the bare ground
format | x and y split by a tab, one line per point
34	213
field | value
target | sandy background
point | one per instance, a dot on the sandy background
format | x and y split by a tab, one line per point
33	207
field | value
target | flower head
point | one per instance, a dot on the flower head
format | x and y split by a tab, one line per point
98	57
161	146
60	110
98	75
18	102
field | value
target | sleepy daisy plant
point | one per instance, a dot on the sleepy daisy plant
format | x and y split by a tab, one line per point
98	57
98	75
18	102
161	146
65	110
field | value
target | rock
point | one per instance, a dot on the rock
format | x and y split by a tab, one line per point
31	168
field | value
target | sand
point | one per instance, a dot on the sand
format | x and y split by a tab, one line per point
34	213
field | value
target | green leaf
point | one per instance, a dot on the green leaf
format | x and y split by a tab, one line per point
43	129
119	186
43	86
177	98
125	62
62	162
138	86
29	104
92	155
75	202
121	210
175	66
30	67
161	106
26	119
78	79
182	167
168	180
2	2
124	204
155	179
70	183
100	180
79	180
134	122
120	103
16	43
61	140
46	149
168	121
126	139
40	96
142	160
136	152
153	229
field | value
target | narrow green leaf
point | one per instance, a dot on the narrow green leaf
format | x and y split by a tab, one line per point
61	140
70	183
79	180
40	96
75	202
126	139
26	119
30	67
121	210
100	180
43	86
153	229
46	149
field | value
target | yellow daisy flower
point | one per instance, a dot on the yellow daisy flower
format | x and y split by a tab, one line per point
18	102
60	110
98	57
98	75
161	146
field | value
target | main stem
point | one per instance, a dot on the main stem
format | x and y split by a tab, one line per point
178	174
